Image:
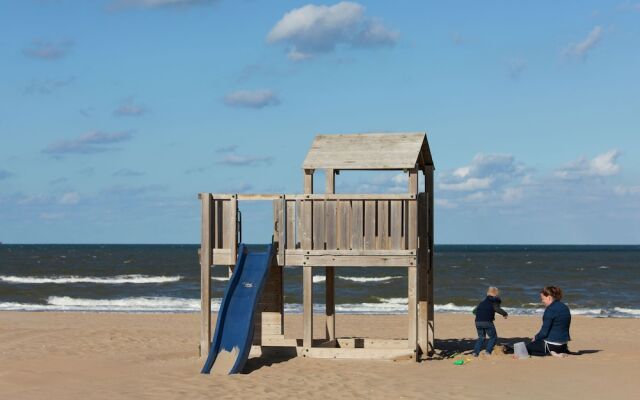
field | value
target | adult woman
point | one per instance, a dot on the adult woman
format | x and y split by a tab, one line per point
554	333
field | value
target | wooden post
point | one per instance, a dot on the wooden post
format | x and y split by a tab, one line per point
206	259
412	244
330	305
429	189
307	274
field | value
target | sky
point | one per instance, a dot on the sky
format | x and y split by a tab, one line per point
114	114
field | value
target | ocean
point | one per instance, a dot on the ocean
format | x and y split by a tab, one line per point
599	281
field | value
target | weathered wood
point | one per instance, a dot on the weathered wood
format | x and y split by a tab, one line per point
331	243
222	257
370	225
307	272
367	151
359	261
371	354
206	260
412	307
357	228
429	184
318	225
344	224
383	225
291	226
352	196
396	225
307	306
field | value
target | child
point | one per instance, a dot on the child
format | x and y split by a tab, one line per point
485	314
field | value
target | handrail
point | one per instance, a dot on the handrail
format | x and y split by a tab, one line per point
319	196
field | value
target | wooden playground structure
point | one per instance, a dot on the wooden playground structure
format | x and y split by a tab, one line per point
331	231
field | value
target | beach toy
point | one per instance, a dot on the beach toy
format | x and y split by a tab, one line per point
520	351
458	362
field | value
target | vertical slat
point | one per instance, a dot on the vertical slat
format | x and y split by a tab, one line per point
291	230
232	228
396	224
411	239
298	224
370	225
383	225
344	220
318	224
330	228
282	226
307	274
206	259
429	188
423	317
219	224
331	243
357	231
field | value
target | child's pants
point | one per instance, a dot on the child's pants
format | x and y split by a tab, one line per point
485	328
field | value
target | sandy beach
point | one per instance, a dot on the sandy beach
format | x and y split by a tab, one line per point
110	355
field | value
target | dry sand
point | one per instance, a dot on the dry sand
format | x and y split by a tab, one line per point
138	356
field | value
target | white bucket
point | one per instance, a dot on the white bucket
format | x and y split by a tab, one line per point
520	350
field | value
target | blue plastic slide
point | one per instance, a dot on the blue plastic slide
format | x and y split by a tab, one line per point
234	330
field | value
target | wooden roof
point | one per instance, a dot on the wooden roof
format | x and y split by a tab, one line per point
369	151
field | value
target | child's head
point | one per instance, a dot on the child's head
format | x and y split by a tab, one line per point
493	291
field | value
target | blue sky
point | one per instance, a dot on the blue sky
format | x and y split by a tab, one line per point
115	114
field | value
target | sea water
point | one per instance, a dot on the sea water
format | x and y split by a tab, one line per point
600	281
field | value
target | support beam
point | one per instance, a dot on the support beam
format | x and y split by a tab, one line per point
412	244
307	274
206	258
330	305
429	189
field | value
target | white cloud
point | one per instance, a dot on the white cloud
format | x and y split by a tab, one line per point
47	86
312	30
602	165
45	50
582	49
70	198
246	161
626	190
129	109
468	184
252	99
92	142
484	172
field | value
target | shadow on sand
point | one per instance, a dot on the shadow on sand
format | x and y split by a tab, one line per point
447	348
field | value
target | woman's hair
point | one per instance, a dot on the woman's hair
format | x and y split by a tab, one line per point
493	291
552	291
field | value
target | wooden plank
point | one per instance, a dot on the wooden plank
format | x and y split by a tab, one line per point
363	354
301	252
307	306
298	224
318	225
232	230
306	224
218	224
351	196
360	261
330	226
366	151
282	225
429	183
357	228
370	212
412	307
423	318
222	257
396	225
206	260
383	225
331	243
344	224
291	225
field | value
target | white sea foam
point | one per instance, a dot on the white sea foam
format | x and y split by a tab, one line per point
107	280
319	279
603	267
220	278
369	279
629	311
